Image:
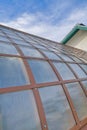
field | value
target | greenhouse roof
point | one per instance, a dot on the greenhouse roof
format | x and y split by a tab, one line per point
43	84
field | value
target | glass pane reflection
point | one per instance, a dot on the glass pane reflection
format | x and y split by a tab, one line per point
51	55
64	71
65	57
7	49
42	71
84	84
84	67
78	71
18	111
57	110
2	38
76	59
31	52
79	99
12	72
20	42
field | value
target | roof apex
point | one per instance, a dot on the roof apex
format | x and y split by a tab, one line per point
75	29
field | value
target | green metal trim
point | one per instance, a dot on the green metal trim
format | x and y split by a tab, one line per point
80	27
73	32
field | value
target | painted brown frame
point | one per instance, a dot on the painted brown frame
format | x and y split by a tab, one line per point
34	86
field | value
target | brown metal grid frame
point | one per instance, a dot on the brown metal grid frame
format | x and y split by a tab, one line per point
34	87
56	44
45	47
69	49
36	95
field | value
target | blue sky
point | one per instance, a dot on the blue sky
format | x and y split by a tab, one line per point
52	19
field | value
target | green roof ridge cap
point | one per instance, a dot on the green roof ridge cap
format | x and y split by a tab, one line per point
74	30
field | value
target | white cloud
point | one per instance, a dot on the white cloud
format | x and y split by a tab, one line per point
79	15
41	25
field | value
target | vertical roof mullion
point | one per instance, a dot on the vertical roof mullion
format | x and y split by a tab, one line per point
65	90
77	78
32	80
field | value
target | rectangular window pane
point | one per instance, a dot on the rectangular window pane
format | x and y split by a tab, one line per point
31	52
6	30
78	71
84	84
28	39
65	57
41	47
79	99
51	55
2	34
21	42
52	49
12	72
76	59
64	71
42	71
57	110
2	38
18	111
8	49
84	67
13	35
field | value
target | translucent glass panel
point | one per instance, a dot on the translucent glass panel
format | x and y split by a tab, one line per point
12	72
31	52
25	37
78	71
21	42
2	34
2	38
41	47
52	49
18	111
76	59
13	35
42	43
64	71
84	84
84	67
28	39
57	110
7	49
79	99
42	71
6	30
51	55
65	57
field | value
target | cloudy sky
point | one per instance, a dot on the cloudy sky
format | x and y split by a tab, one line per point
51	19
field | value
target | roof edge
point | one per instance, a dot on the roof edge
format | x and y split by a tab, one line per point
43	38
74	30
